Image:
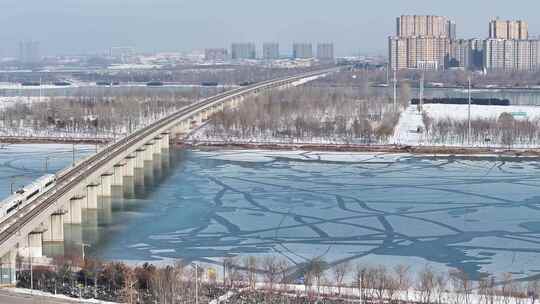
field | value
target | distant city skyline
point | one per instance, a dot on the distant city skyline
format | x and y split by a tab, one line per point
355	27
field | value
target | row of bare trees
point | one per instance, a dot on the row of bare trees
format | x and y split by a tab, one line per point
270	275
505	131
91	116
309	114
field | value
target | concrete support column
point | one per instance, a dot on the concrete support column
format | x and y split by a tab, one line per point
106	183
35	245
47	233
74	210
139	158
149	152
129	167
92	192
118	175
54	226
157	145
57	227
165	141
32	248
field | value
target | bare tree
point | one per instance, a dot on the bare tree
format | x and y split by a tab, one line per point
340	272
403	278
270	267
463	286
426	284
533	290
250	265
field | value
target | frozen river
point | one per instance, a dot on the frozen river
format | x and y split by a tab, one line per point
480	215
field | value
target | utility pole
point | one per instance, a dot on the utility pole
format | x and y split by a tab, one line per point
31	270
40	90
395	90
388	74
196	284
46	164
469	114
73	154
421	100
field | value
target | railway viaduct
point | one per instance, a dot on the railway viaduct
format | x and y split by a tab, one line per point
43	220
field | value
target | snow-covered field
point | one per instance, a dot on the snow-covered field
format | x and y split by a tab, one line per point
460	112
410	129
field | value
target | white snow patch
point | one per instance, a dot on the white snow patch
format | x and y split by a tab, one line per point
57	296
460	112
406	131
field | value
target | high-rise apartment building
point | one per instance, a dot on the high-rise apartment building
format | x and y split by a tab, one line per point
325	51
29	52
508	29
504	55
466	54
429	26
418	53
243	51
218	54
302	50
421	42
271	50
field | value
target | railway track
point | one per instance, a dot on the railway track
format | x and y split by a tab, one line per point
71	177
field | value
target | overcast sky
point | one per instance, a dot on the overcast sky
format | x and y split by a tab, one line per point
355	26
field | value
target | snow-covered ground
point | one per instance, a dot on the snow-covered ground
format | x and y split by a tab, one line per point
460	112
406	131
411	122
57	296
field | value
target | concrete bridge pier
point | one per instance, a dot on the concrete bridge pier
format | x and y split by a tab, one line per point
157	146
139	158
234	103
106	183
32	248
74	210
55	227
118	175
165	141
92	192
149	151
129	167
129	176
199	118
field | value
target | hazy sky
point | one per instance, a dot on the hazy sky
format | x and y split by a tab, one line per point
355	26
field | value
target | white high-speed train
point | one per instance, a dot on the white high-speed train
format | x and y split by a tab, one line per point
26	194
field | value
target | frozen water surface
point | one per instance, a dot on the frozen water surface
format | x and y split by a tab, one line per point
478	214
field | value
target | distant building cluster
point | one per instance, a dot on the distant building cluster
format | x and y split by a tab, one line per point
29	52
271	51
216	54
430	43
